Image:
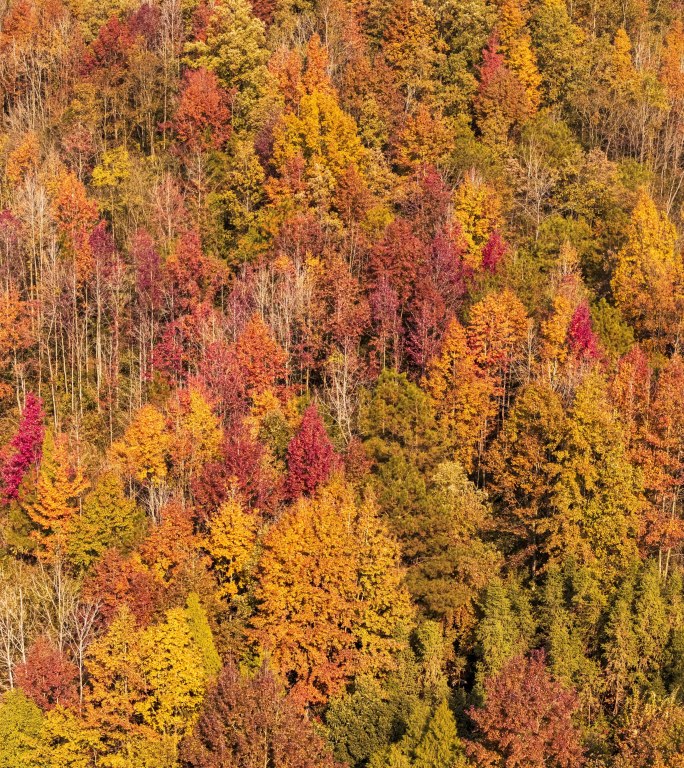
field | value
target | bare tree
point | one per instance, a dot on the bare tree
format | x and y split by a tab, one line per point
82	621
15	618
56	596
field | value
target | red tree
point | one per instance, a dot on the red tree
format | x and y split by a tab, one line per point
47	677
148	270
202	120
145	24
25	447
117	580
264	9
257	361
527	719
398	258
242	463
426	324
311	457
428	202
249	722
494	251
192	276
581	337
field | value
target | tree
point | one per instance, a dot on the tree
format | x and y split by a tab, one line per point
404	440
652	625
522	464
108	519
620	648
202	125
115	581
116	684
26	447
172	550
517	48
502	103
596	499
245	721
440	746
193	278
582	340
257	361
47	677
202	119
64	742
498	336
477	208
311	457
201	634
58	489
75	216
17	335
556	41
175	677
143	453
648	278
650	732
463	395
399	416
568	622
197	436
527	719
20	724
450	561
323	139
328	593
662	428
504	631
233	46
231	544
412	47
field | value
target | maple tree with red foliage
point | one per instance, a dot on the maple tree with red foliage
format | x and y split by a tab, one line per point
311	457
47	677
526	719
25	447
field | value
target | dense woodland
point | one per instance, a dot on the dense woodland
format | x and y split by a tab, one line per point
341	384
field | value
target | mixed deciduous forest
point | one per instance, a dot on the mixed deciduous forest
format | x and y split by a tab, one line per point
341	384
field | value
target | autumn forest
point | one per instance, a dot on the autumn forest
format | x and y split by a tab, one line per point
341	384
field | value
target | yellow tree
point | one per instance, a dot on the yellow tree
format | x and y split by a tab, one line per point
516	46
116	687
477	208
596	500
413	48
58	490
568	292
197	436
143	453
200	630
498	333
648	282
172	665
231	546
463	395
322	137
64	742
329	594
